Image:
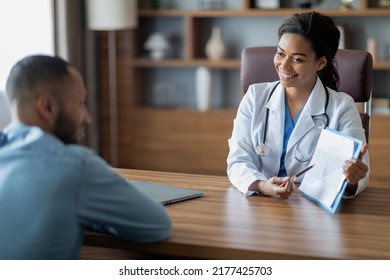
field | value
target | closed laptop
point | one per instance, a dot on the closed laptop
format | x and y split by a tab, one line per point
165	194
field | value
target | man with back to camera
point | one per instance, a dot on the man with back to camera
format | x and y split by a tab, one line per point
52	189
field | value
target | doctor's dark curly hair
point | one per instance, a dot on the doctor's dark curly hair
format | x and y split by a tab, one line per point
324	37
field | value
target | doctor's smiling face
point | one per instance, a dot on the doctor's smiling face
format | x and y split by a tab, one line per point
308	43
296	62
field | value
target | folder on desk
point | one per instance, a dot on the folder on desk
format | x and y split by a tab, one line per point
325	183
165	194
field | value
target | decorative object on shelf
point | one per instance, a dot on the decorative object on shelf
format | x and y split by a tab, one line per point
212	4
346	5
164	94
103	15
343	36
203	83
215	46
158	45
306	4
268	4
384	3
373	48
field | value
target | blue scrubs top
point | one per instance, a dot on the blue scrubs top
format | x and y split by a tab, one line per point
289	125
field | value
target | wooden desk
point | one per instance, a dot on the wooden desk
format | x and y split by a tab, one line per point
226	225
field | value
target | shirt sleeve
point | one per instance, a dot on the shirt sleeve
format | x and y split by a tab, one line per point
109	203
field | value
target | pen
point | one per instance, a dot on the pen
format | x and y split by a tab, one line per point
303	171
299	173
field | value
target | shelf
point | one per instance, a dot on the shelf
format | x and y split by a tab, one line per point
223	64
382	65
370	12
375	114
155	110
181	63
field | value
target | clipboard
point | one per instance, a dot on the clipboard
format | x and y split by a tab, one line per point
325	183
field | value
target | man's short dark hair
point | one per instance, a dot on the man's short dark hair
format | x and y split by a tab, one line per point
34	71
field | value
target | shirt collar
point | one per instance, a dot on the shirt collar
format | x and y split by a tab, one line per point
3	139
315	103
17	131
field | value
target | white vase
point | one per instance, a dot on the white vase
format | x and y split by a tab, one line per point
373	48
268	4
215	46
203	82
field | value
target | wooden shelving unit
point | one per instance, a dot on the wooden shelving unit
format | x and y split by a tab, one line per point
183	139
364	12
231	63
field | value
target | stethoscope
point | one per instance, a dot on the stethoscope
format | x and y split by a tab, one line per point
264	149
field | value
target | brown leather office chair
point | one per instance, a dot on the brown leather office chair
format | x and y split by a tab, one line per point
354	67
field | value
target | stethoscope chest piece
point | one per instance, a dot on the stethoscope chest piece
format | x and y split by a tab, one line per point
262	150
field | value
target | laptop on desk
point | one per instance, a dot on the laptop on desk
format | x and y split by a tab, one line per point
165	194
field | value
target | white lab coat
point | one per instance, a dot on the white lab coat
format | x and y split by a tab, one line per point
245	166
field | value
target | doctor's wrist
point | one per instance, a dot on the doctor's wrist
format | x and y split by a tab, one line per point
351	189
254	186
257	186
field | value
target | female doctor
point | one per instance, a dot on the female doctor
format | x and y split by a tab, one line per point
278	124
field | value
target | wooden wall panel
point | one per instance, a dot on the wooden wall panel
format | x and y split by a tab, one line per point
177	140
379	148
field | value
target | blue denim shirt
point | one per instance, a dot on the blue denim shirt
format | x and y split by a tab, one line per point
51	192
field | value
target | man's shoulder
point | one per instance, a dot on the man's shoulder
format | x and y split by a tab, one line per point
80	150
31	140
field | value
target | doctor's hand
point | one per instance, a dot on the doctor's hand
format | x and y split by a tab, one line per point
354	170
277	187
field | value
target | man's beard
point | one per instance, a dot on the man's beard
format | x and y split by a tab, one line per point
65	129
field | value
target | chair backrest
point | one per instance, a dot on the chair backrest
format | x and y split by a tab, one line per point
354	67
5	110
